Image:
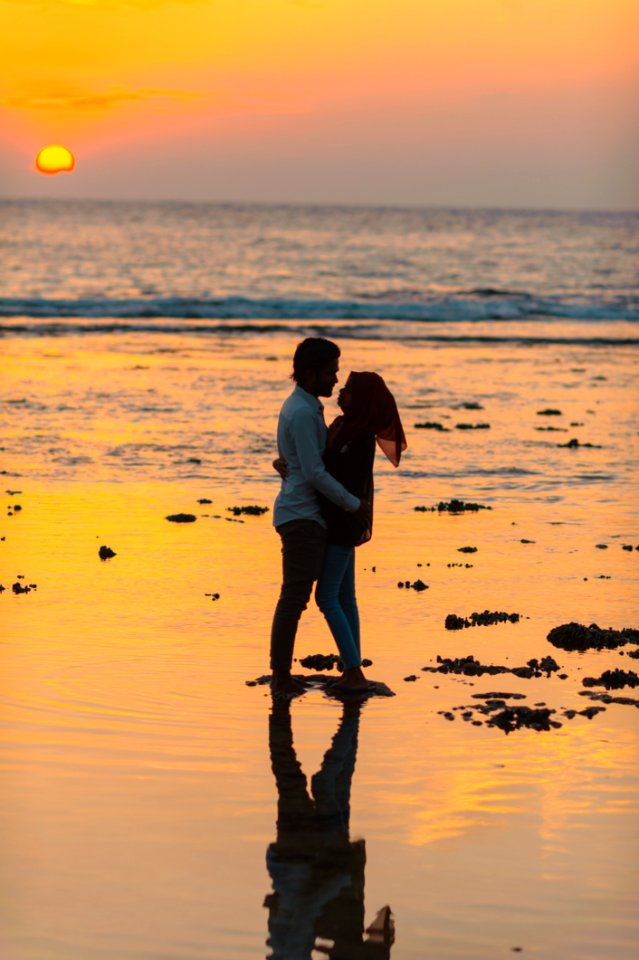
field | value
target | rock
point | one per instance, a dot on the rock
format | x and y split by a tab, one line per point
204	500
608	698
453	506
419	585
470	667
601	546
472	426
523	540
549	412
613	679
367	663
259	681
514	718
105	553
411	678
431	425
498	696
18	588
213	596
574	444
251	511
591	712
321	661
466	549
485	619
470	405
182	518
576	636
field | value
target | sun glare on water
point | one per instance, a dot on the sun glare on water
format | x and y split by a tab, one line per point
55	159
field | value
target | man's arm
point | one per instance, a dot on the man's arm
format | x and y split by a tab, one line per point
312	464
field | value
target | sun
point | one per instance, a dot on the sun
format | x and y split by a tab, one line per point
55	159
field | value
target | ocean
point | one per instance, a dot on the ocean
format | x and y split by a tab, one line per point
157	803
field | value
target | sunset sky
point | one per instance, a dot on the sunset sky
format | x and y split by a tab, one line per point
529	103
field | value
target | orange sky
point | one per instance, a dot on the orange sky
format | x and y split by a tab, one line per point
505	102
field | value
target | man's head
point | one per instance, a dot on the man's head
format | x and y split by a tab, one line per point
315	366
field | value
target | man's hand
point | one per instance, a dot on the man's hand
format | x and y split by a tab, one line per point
364	512
280	465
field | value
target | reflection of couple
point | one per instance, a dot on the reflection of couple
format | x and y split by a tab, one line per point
317	904
325	506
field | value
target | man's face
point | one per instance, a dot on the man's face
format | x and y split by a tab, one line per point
323	380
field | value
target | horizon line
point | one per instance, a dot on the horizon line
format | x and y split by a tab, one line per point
327	204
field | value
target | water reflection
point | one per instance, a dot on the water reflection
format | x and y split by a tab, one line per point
317	904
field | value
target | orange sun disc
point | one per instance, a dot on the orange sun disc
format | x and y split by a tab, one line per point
55	159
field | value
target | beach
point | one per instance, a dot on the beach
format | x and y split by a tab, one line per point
142	766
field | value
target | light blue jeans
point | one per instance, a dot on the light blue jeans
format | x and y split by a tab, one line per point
335	596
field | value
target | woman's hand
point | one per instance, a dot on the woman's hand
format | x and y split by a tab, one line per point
280	465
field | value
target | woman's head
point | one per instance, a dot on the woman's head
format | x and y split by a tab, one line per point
369	407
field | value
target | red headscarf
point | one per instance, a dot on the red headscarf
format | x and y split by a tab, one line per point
373	410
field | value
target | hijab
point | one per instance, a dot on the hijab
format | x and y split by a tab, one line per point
373	410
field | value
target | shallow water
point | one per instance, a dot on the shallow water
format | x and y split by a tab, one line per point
141	802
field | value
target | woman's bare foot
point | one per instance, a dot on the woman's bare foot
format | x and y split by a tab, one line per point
354	679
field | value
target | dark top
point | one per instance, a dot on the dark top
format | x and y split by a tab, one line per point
352	465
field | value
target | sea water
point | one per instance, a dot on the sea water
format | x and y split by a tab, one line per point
156	805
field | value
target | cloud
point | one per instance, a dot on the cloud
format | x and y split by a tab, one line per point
98	101
105	4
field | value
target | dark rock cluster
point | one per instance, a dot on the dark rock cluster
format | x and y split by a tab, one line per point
574	444
251	511
485	619
18	587
472	426
321	661
431	425
514	718
613	680
453	506
181	517
576	636
608	698
470	667
105	553
417	585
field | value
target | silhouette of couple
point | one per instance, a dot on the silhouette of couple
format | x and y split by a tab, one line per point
317	871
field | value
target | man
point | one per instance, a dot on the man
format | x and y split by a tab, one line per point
301	441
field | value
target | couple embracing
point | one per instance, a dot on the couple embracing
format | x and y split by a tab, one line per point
325	506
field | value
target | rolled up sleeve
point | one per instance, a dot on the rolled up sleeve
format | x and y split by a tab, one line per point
312	465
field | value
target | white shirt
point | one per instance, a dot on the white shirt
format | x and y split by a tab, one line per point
301	440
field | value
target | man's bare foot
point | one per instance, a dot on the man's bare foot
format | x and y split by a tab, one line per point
285	684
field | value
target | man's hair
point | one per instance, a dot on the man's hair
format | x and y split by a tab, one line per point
313	354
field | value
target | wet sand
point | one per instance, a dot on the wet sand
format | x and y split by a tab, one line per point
155	804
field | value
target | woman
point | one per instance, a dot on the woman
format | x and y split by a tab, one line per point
369	414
